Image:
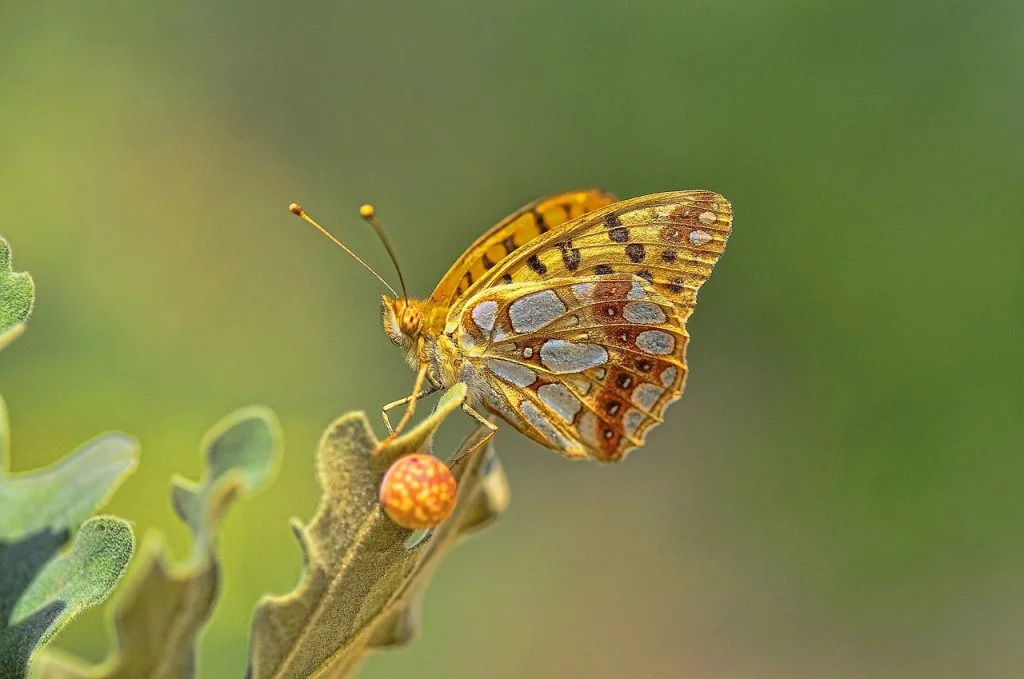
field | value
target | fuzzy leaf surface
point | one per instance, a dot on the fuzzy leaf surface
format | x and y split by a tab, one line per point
41	589
17	294
161	616
362	583
63	495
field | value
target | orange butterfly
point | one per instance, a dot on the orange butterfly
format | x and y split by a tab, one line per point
568	318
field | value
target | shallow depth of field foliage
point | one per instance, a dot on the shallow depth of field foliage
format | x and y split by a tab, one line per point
55	561
837	493
363	576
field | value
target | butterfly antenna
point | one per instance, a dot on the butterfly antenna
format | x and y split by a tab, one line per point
369	213
296	209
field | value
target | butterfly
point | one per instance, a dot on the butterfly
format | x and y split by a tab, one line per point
567	319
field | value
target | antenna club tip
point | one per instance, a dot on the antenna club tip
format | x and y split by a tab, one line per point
367	211
296	209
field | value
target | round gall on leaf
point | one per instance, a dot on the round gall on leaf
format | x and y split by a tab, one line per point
418	491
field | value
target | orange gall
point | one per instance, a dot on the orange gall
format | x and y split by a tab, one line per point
418	491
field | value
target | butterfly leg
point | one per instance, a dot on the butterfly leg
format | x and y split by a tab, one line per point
492	429
417	393
402	401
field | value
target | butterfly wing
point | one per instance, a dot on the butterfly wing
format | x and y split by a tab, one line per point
587	364
510	234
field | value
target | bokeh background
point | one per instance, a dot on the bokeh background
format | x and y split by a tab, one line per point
838	493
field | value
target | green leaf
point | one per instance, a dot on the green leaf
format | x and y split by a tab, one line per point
63	495
17	293
163	612
362	584
41	590
20	562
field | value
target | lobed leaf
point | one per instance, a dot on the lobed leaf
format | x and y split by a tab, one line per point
41	590
363	581
162	614
62	496
17	294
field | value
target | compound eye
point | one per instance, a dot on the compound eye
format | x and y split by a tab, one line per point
411	320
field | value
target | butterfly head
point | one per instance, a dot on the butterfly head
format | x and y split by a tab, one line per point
403	320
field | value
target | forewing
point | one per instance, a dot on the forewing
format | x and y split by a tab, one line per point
672	240
585	366
512	233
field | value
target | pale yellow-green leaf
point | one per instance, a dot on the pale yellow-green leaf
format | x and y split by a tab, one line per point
41	589
362	585
162	614
17	295
63	495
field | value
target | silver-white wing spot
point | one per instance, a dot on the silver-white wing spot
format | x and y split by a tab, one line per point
579	383
631	421
656	342
484	315
668	375
700	237
582	290
513	373
644	313
560	356
588	429
646	395
533	415
560	400
532	312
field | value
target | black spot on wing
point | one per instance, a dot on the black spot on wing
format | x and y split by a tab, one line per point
602	269
570	255
534	263
538	219
635	251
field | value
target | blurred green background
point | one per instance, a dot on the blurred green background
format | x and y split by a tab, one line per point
838	493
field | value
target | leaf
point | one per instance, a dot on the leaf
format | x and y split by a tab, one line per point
62	496
164	610
17	293
41	590
48	589
362	585
20	562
